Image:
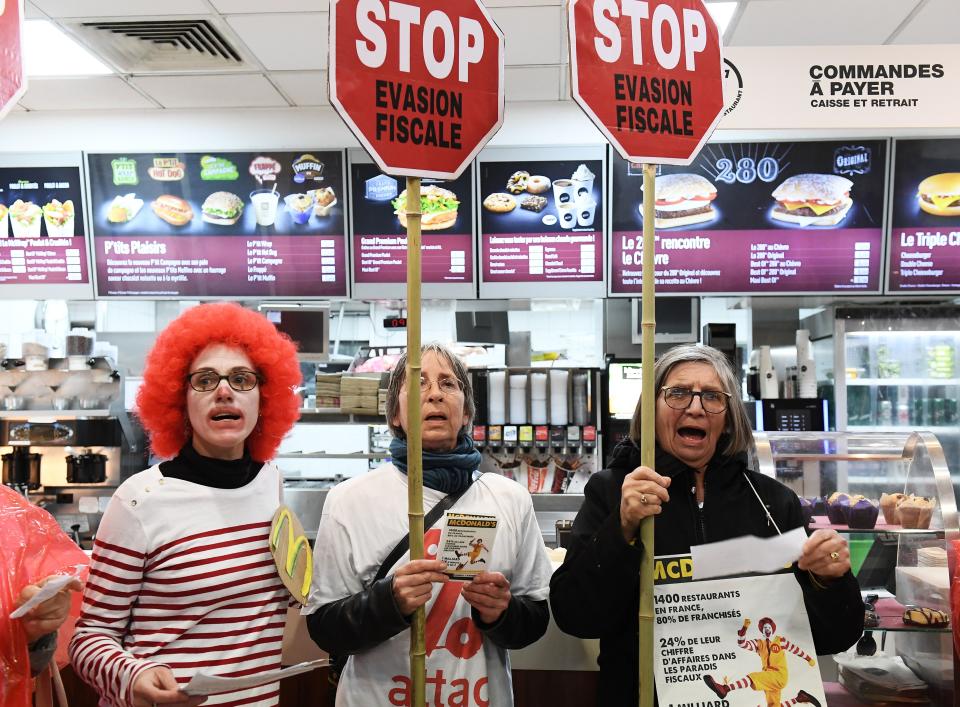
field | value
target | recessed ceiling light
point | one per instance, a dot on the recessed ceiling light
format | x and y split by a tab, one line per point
722	13
47	51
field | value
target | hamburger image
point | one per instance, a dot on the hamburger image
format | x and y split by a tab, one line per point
813	200
438	206
939	194
172	209
222	208
683	199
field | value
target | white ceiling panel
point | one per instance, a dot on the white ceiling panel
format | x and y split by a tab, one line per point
818	22
936	23
532	34
121	8
241	6
285	42
305	88
532	83
232	91
91	93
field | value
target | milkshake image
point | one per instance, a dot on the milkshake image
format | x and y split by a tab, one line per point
583	183
265	205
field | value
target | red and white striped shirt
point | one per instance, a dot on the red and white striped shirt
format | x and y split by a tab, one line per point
182	576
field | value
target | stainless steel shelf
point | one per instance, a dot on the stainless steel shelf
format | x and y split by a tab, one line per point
902	381
339	418
52	414
324	455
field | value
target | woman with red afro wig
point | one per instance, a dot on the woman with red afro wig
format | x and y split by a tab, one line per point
182	575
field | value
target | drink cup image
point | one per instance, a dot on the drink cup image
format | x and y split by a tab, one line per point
265	206
585	212
563	191
582	180
568	214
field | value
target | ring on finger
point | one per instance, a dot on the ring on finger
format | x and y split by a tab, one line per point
834	555
643	499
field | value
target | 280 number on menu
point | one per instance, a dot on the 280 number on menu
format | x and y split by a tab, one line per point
747	170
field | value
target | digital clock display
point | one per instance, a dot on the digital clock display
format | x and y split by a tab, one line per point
395	323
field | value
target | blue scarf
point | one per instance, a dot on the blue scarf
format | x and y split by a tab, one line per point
450	472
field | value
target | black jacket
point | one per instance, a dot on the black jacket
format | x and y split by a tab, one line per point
595	593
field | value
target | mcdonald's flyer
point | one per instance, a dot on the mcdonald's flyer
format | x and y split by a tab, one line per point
731	642
466	544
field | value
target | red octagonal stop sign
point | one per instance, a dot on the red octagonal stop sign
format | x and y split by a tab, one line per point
13	84
419	82
648	74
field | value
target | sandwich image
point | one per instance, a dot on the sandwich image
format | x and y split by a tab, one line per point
939	194
222	208
59	218
438	206
124	208
172	209
683	199
25	217
813	200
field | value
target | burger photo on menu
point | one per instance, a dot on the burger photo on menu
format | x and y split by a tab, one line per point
438	206
172	209
682	200
939	194
812	200
222	208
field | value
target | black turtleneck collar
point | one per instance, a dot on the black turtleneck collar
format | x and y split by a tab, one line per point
626	458
190	466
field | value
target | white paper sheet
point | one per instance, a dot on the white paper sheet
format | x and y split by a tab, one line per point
204	684
47	591
747	554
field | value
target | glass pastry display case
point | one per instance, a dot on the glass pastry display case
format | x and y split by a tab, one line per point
890	494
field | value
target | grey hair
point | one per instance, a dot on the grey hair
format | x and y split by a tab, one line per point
399	376
737	423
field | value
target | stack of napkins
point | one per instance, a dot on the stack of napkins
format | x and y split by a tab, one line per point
931	557
880	678
359	394
328	390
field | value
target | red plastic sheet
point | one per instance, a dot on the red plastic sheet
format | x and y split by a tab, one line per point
32	547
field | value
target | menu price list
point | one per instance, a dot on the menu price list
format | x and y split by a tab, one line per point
525	257
925	259
443	258
46	261
847	259
262	266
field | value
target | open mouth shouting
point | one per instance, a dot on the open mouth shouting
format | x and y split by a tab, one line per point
225	416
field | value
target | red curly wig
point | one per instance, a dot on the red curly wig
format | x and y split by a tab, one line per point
162	398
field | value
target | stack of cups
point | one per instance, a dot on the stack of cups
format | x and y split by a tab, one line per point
538	398
806	370
558	397
580	398
769	384
518	398
496	401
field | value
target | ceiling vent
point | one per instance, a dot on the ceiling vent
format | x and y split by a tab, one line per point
144	46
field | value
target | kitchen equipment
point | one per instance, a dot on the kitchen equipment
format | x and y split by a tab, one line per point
21	467
86	468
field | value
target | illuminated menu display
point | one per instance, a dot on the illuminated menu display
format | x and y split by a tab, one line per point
541	222
219	224
924	250
757	218
379	256
43	249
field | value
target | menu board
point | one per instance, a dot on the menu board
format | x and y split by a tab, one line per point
379	256
756	218
43	248
925	218
541	222
219	224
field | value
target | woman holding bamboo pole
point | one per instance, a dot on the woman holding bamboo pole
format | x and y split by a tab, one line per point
700	491
470	625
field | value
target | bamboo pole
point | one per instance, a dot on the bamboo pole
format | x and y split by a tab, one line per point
418	652
648	399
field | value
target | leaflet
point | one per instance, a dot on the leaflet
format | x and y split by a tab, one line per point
49	590
204	684
466	544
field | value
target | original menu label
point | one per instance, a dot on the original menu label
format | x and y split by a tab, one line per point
541	221
380	228
41	227
219	225
925	233
756	218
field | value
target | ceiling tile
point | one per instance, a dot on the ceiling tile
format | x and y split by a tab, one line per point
532	34
232	91
789	23
305	88
241	6
121	8
90	93
532	83
930	25
285	42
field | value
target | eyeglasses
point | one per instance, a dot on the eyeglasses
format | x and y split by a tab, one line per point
240	380
447	385
713	401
